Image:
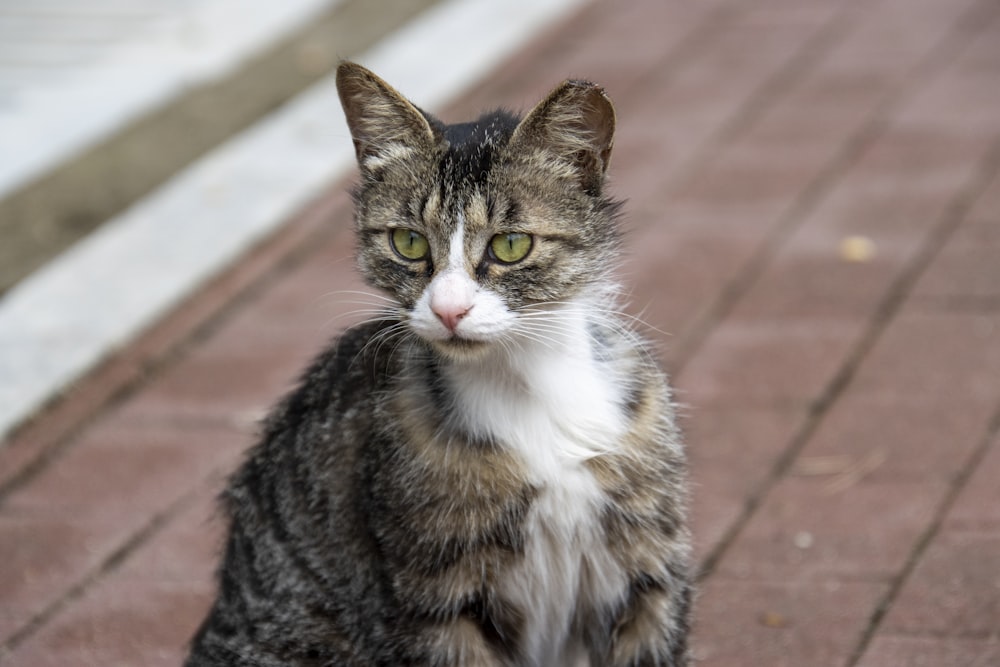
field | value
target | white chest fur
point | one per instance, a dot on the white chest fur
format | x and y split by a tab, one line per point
567	568
555	408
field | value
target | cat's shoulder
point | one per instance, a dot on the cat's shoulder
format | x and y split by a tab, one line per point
352	365
362	350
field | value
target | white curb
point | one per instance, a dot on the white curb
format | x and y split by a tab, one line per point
99	64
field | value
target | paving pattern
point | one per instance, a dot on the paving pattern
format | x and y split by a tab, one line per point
813	214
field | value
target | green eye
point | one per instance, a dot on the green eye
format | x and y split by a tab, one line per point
510	248
409	244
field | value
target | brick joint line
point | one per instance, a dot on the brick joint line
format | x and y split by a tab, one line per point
925	539
75	591
812	50
928	251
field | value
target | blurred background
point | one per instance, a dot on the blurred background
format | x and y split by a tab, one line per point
813	239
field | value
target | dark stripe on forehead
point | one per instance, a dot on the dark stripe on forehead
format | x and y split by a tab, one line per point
472	147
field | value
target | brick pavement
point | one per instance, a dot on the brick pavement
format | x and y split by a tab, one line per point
842	407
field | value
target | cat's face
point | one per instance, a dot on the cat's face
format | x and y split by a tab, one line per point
478	230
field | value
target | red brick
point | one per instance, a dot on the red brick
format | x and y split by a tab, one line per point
687	106
977	507
145	611
43	557
708	219
806	530
981	224
960	103
258	353
915	160
894	196
308	295
894	35
954	589
817	282
735	180
121	622
963	273
895	226
76	513
964	270
123	474
230	379
788	12
891	650
673	270
751	624
882	439
626	45
929	357
815	117
774	361
184	551
731	452
614	45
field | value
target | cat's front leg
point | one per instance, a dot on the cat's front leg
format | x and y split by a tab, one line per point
652	628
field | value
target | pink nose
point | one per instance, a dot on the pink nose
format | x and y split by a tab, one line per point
450	314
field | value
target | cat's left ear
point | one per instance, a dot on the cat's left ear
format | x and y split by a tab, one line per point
384	125
575	124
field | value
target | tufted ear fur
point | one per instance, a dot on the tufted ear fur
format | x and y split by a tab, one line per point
576	125
384	125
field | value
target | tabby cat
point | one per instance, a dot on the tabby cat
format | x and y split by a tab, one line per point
490	473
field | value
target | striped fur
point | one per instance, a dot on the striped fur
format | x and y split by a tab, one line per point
506	490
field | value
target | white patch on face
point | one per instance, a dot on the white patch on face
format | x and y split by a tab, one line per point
455	306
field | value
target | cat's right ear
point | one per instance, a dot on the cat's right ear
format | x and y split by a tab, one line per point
384	125
575	124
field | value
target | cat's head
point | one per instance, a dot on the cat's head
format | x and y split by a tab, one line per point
479	229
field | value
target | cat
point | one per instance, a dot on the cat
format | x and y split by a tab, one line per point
490	472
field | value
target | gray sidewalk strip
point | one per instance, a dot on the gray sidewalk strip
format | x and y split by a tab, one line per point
72	73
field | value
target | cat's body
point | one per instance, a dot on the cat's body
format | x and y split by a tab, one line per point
489	475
